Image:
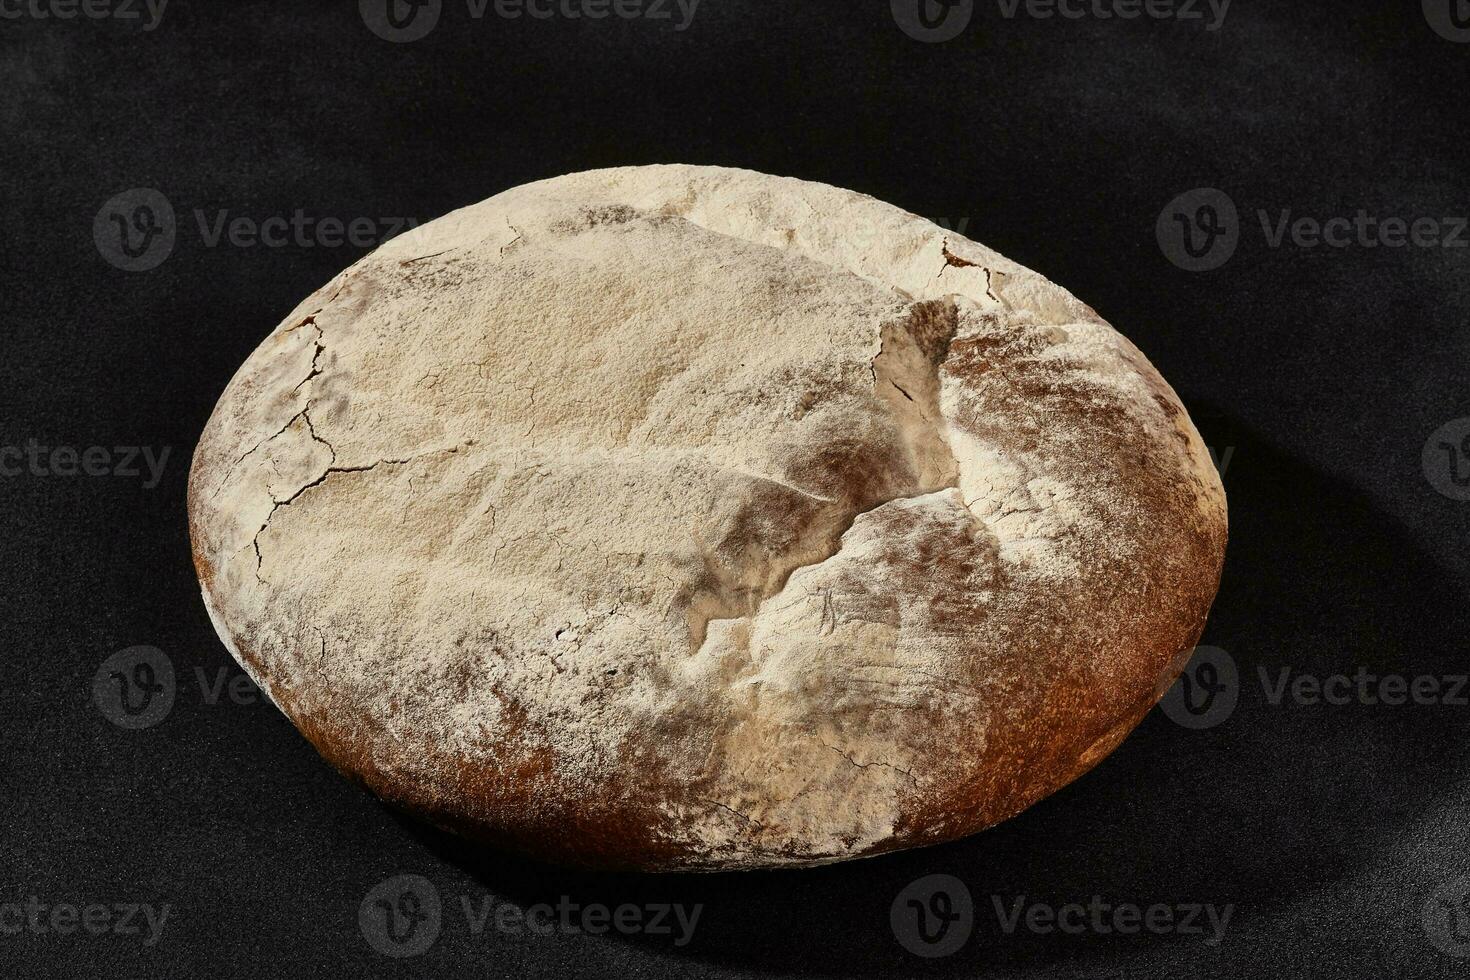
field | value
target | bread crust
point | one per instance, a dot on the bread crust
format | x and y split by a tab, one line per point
687	518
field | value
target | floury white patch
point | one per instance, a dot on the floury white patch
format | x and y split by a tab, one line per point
64	919
124	10
1211	13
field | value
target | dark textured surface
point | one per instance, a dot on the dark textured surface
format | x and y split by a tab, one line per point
1319	373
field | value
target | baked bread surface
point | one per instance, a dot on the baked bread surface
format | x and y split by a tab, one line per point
690	518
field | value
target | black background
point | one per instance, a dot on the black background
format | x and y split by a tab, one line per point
1322	371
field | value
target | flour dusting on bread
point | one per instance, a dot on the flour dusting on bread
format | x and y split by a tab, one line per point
684	517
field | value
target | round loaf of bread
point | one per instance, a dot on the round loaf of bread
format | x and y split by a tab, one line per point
690	518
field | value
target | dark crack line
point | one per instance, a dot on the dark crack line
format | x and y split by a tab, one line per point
250	452
315	371
955	261
327	474
870	765
310	318
990	289
952	259
315	356
423	258
520	237
731	810
321	662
